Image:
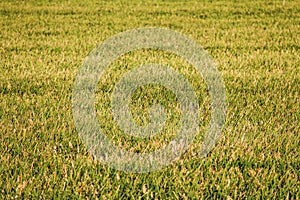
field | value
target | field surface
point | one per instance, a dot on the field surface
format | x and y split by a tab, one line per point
256	46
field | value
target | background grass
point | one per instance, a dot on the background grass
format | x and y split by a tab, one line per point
255	45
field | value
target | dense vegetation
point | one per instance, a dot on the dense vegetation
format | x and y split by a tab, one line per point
256	47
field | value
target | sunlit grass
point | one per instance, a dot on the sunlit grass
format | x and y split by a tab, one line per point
256	47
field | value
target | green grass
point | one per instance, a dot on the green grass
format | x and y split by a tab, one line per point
256	47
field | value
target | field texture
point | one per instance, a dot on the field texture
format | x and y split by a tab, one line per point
256	46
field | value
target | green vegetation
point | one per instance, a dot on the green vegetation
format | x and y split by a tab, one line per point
256	45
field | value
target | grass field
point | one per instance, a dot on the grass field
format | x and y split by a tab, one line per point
256	46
